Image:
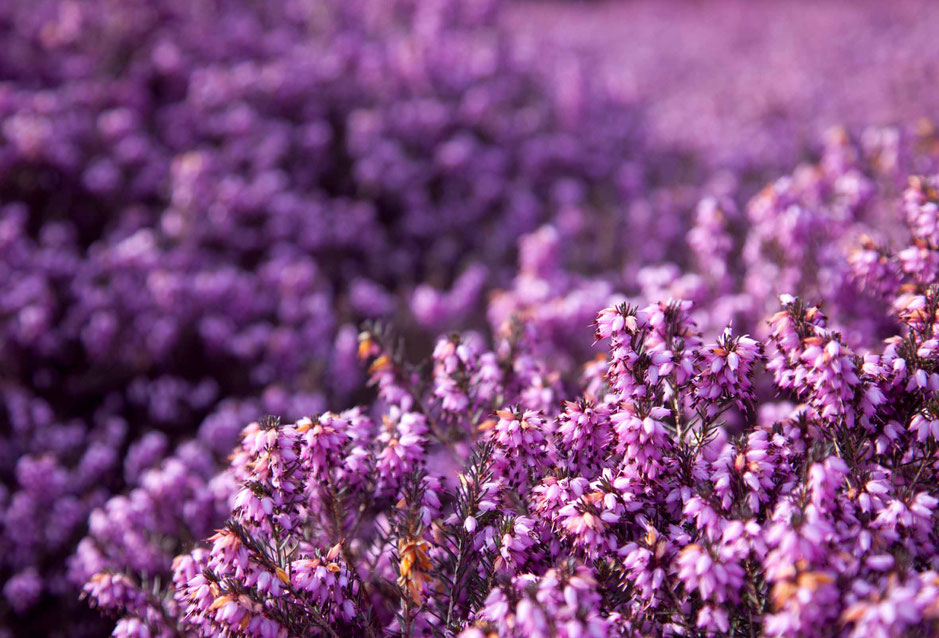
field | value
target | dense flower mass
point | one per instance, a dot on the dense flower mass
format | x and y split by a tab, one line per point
360	317
686	481
199	204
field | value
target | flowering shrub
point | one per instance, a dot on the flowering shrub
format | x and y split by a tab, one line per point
201	203
686	482
198	205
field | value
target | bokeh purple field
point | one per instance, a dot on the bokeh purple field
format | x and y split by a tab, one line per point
742	82
469	318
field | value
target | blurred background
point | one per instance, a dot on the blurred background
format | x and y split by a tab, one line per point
202	200
735	80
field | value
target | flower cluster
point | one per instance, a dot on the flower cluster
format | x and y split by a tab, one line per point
213	212
199	205
779	483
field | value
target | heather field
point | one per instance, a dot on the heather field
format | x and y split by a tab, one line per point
469	318
742	82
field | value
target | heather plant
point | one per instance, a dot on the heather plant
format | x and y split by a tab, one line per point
201	203
686	482
198	205
822	231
